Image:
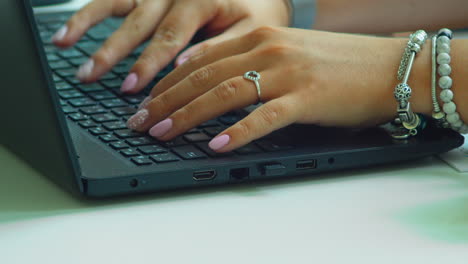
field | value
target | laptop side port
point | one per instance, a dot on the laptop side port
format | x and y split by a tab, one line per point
204	175
306	164
239	174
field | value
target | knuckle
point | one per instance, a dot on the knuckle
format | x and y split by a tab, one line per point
244	129
262	33
183	118
103	57
168	35
158	104
271	114
200	77
277	50
226	91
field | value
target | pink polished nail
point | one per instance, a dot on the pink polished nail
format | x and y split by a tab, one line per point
161	128
182	60
145	102
130	83
85	70
138	119
60	34
219	142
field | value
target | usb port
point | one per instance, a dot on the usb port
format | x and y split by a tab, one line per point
204	175
306	164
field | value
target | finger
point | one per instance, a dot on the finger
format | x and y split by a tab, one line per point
234	31
232	94
192	87
172	35
137	27
90	15
273	115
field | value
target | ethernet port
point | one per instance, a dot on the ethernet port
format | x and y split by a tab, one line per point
240	174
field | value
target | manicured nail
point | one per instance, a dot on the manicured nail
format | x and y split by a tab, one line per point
145	102
182	60
129	83
219	142
85	70
161	128
138	119
60	34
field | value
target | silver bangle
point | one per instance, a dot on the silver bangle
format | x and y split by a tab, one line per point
410	122
450	117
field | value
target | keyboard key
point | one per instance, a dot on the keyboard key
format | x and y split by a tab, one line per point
93	110
87	124
56	78
69	110
53	58
89	47
178	141
80	102
70	94
214	131
97	131
101	118
204	146
267	145
165	157
123	111
78	117
115	83
63	102
89	88
189	152
130	152
229	119
197	137
108	138
99	96
58	65
140	141
78	61
109	76
64	73
73	80
142	161
121	70
134	99
99	32
248	149
62	86
210	123
115	125
148	150
118	145
113	103
127	133
70	53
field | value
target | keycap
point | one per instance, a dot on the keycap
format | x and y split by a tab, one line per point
248	149
108	138
229	119
114	83
214	131
69	110
117	145
210	123
70	53
61	86
134	99
164	157
53	57
89	47
197	137
113	103
78	117
73	80
178	141
101	118
115	125
189	152
78	61
64	73
89	88
56	78
87	124
70	94
122	111
142	161
80	102
93	110
140	141
127	133
57	65
148	150
204	146
130	152
98	131
109	76
98	96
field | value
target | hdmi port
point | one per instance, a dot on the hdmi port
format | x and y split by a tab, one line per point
204	175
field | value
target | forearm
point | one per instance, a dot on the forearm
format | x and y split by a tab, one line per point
387	16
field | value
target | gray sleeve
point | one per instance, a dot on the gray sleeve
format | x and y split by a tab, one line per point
304	13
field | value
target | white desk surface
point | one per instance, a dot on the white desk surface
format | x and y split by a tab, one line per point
415	212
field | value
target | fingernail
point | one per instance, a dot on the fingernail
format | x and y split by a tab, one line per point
145	102
161	128
219	142
60	34
129	83
85	70
182	60
138	119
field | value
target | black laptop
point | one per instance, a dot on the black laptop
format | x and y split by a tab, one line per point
75	133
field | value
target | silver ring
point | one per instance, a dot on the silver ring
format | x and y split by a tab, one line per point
254	77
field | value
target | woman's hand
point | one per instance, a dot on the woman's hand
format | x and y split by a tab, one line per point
171	24
309	77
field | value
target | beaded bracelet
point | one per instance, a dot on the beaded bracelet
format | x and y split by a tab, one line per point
448	118
411	123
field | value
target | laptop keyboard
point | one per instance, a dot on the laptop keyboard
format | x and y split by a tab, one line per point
102	110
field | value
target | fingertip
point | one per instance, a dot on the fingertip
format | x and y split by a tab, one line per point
219	142
130	83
